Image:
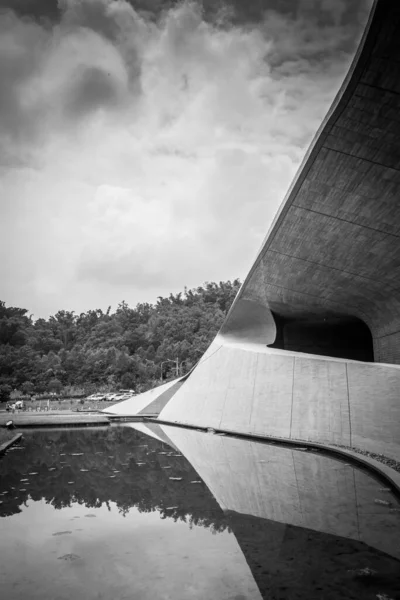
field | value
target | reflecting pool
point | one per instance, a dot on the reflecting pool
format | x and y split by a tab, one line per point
144	511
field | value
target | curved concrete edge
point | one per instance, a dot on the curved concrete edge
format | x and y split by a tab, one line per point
390	475
10	443
251	321
343	95
294	485
152	401
385	473
156	406
249	346
151	429
258	390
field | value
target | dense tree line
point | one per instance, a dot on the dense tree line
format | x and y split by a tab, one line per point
130	348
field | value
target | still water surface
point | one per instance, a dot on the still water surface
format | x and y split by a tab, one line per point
147	512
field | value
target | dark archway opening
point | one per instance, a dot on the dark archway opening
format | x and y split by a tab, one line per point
342	337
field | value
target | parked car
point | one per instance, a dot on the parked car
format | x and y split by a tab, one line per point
121	396
95	397
111	395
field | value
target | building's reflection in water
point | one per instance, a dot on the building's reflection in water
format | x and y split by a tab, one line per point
241	520
306	523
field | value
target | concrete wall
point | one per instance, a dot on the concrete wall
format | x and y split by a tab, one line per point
151	429
331	256
259	390
292	487
148	403
333	251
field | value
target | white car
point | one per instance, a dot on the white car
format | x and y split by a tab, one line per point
96	397
121	397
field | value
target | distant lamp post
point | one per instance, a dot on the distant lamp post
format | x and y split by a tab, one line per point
177	364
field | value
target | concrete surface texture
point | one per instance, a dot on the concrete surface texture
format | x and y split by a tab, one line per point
62	418
150	402
298	355
152	429
259	390
288	486
295	356
331	259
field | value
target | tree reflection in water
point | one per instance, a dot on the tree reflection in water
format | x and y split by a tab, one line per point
125	467
117	465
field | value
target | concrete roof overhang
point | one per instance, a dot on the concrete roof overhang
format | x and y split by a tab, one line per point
333	249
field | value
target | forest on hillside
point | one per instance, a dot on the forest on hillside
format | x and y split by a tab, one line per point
131	348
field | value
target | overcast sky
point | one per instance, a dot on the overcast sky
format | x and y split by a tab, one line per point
146	145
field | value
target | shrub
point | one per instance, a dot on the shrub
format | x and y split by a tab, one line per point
5	391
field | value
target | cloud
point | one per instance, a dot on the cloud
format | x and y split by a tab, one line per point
144	147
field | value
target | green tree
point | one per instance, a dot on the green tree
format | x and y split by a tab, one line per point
64	327
5	391
120	349
14	325
27	388
55	385
128	381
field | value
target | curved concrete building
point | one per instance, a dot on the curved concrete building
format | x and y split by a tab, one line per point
311	346
287	486
303	523
329	269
